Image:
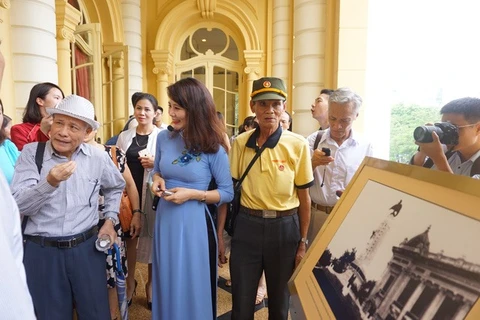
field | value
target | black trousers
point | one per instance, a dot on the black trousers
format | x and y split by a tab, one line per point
262	244
58	277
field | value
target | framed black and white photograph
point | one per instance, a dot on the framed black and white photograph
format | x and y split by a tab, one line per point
402	243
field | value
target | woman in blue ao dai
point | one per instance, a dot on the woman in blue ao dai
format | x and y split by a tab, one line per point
188	156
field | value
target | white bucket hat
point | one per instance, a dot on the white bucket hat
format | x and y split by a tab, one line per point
76	107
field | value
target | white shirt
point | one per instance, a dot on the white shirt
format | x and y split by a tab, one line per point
460	168
347	159
15	300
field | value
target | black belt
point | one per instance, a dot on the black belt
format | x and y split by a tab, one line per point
325	209
268	214
63	242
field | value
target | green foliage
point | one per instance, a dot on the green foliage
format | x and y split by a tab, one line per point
403	121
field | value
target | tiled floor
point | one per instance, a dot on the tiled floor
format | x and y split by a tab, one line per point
139	311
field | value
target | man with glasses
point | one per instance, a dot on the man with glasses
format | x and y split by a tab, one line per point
333	172
464	113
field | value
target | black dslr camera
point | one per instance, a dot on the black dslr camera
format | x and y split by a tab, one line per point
447	132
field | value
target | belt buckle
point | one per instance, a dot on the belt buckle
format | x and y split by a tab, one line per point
269	214
66	244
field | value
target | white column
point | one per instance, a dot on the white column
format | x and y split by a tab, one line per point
281	40
463	310
411	301
132	27
434	305
34	46
309	61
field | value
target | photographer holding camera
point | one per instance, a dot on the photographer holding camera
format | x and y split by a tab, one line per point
459	132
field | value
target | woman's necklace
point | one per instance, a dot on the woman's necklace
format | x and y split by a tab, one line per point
140	146
136	139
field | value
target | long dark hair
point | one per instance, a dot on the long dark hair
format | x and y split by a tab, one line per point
32	110
3	136
204	132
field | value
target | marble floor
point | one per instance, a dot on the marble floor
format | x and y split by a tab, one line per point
139	311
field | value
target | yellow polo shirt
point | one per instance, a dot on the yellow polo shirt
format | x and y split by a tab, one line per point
283	167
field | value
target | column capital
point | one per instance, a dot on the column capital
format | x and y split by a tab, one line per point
5	4
253	60
68	18
163	60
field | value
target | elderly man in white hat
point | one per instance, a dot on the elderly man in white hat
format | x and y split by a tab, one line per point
56	186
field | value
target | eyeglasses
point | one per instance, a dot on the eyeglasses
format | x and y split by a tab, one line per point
467	125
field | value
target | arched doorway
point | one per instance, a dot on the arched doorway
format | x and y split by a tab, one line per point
211	56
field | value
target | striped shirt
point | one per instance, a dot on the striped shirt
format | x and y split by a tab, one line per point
71	207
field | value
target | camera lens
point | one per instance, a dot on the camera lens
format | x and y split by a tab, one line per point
424	133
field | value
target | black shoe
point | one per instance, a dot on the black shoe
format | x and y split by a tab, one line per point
129	302
149	305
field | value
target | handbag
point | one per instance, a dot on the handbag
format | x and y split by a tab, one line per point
234	206
125	214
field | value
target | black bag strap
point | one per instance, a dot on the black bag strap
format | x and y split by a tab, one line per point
39	162
39	156
317	139
475	167
250	165
473	171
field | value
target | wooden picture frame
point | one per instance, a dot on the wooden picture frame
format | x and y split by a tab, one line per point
403	242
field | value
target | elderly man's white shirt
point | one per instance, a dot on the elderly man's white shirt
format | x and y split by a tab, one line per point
338	173
15	300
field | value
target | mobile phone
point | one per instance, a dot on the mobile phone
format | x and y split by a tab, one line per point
168	193
326	151
143	153
155	201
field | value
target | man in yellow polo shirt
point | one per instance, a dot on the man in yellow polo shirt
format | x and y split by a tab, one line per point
271	228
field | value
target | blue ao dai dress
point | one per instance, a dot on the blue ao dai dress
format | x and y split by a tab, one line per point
182	287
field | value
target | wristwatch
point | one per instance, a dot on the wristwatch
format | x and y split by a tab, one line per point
137	210
304	240
114	221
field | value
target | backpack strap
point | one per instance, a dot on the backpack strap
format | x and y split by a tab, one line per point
39	153
429	162
317	139
473	171
475	167
39	156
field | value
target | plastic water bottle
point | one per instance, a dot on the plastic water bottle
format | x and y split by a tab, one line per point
103	243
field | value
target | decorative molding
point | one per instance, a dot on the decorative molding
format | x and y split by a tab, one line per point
68	18
253	60
249	70
162	71
5	4
163	60
65	33
207	8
